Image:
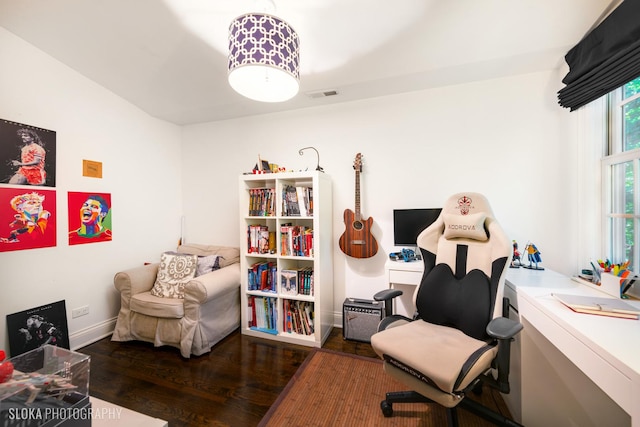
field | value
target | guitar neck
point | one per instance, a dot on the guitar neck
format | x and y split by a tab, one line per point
358	216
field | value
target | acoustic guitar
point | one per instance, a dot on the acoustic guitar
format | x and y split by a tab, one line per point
357	240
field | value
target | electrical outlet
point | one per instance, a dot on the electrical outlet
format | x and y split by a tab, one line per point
80	311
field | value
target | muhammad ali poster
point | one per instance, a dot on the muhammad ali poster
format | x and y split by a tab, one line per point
27	155
38	326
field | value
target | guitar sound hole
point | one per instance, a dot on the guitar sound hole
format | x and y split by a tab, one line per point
358	225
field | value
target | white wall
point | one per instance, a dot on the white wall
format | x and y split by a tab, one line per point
506	138
141	170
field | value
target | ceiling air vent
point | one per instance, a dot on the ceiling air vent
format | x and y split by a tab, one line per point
322	93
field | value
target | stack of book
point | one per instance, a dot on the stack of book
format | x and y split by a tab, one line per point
262	202
296	240
258	239
262	314
262	276
298	317
297	201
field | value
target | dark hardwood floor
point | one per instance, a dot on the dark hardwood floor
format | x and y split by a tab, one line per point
233	385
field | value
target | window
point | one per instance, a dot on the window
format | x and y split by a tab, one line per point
621	175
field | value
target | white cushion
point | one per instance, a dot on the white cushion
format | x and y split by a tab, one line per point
168	308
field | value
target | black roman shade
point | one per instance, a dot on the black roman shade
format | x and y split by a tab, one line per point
607	58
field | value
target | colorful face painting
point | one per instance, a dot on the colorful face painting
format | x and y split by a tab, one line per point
27	219
89	218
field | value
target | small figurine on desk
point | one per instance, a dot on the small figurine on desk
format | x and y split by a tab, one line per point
533	254
515	261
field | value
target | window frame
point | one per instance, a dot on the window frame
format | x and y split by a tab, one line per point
614	184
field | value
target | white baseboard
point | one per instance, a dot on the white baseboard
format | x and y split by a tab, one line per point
91	334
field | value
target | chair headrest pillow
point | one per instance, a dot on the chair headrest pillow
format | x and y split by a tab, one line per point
469	226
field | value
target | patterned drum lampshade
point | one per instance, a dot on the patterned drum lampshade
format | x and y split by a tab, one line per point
264	56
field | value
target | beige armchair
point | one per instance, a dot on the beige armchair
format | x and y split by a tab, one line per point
209	311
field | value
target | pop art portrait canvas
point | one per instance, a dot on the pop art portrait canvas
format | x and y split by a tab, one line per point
27	155
27	219
89	218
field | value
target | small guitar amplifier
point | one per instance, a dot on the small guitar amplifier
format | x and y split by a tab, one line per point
360	318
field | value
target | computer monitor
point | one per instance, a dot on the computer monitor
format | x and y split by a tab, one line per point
408	223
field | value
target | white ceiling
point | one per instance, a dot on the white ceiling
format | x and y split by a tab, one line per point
169	58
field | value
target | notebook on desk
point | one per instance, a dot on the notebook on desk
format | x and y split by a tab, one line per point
598	305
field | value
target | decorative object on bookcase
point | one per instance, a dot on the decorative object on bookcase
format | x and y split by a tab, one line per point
318	168
357	240
262	166
298	275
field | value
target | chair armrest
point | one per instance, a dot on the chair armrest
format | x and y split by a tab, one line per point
136	280
387	294
208	286
503	328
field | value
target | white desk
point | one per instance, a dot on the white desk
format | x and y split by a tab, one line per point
404	276
577	369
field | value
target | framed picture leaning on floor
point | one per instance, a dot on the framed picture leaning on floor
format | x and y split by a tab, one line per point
35	327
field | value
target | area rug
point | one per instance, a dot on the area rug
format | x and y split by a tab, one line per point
339	389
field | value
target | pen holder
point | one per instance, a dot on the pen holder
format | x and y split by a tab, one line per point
611	284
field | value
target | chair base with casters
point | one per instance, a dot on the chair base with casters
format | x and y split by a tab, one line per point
452	413
459	337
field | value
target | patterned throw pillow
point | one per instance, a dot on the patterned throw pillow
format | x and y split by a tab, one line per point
174	272
207	264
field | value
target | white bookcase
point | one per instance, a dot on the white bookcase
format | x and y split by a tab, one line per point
275	322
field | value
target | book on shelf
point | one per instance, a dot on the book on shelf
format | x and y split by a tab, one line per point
289	282
262	202
263	314
258	239
296	240
600	306
298	317
305	281
297	201
297	281
262	276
